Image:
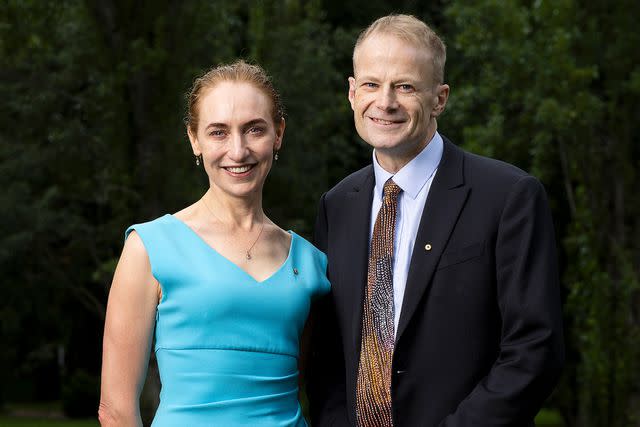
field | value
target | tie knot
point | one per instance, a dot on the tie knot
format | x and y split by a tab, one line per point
390	191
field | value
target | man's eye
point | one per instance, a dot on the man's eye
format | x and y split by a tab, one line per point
256	130
370	85
405	88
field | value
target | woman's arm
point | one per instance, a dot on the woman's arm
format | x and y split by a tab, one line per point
128	330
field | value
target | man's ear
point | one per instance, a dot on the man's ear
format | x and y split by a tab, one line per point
352	91
442	95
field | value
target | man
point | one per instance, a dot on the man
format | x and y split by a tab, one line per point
445	306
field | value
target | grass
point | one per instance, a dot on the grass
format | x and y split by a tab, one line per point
47	414
34	422
545	418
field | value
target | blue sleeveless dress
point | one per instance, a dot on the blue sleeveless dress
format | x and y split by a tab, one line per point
227	345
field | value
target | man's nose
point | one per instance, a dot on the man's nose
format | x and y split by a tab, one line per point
386	99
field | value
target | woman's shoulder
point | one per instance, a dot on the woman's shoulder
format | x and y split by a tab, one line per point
151	226
306	247
312	261
164	223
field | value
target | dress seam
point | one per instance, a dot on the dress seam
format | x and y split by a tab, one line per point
227	349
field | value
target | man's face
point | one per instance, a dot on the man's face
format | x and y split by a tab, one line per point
394	98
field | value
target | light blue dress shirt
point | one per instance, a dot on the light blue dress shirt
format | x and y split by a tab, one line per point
415	179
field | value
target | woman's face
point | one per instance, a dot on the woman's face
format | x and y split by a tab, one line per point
236	136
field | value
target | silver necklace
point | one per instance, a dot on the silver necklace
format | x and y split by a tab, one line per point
248	252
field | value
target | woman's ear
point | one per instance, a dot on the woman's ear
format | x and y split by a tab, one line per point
193	139
279	134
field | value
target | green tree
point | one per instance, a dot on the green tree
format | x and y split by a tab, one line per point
93	140
540	84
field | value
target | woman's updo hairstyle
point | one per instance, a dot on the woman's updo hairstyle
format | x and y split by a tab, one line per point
238	71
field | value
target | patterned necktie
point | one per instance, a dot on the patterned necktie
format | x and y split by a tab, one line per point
373	390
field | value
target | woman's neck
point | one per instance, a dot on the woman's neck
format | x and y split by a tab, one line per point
234	212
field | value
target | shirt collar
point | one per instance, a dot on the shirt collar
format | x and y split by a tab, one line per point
415	174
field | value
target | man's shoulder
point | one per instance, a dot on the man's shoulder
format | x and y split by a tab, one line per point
356	181
478	168
493	167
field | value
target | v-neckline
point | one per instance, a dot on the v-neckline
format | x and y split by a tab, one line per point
236	266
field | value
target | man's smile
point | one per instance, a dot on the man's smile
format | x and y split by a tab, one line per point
384	122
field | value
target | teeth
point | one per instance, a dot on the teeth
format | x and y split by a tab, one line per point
384	122
239	169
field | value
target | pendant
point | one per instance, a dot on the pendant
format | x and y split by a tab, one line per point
248	256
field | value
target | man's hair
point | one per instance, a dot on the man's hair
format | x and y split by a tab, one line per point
410	29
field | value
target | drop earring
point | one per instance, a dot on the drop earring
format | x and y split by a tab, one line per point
197	159
275	156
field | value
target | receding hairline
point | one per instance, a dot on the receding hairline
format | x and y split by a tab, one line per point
429	54
411	30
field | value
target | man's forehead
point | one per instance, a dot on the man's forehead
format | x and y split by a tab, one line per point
382	40
390	53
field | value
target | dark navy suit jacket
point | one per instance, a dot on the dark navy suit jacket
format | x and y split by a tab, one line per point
479	342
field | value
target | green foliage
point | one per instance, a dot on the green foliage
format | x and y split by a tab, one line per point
80	395
315	142
92	139
539	85
547	418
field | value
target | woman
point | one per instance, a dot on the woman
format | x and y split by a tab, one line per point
227	291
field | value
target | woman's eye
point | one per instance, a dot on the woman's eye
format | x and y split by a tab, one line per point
216	133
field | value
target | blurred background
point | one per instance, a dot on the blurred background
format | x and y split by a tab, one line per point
92	100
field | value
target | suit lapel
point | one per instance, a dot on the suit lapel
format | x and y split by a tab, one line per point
354	260
442	208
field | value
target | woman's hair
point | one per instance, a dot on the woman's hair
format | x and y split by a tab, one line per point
238	71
